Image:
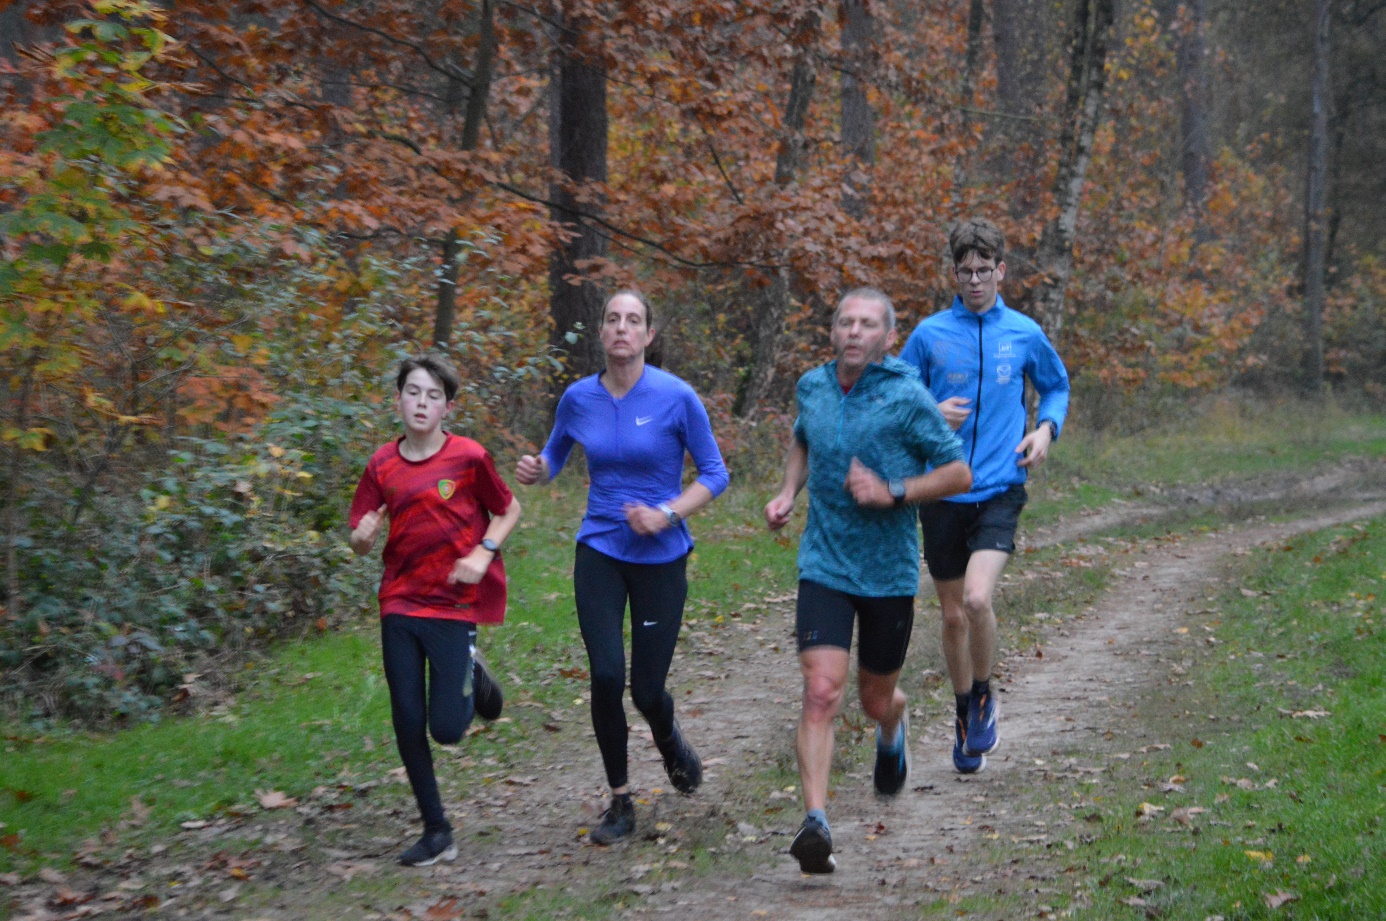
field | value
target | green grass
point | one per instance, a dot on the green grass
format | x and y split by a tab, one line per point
1293	787
1228	440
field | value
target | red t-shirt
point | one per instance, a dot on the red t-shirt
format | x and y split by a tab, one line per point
439	511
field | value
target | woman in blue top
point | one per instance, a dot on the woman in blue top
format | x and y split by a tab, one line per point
635	423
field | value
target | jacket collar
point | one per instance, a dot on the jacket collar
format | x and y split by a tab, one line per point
992	315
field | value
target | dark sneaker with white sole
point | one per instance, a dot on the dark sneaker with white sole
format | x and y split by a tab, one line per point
434	846
813	847
893	762
681	762
487	693
617	822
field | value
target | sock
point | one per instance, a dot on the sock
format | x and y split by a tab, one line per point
893	744
819	816
962	700
981	688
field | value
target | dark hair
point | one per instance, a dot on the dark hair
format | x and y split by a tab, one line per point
977	235
435	365
635	293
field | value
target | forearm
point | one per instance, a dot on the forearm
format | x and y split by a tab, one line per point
501	525
795	470
951	479
692	500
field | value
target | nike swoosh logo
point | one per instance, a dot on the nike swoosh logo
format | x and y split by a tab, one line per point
639	421
650	623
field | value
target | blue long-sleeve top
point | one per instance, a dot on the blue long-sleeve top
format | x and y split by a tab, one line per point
635	450
986	358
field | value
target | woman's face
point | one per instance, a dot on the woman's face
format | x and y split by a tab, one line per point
625	333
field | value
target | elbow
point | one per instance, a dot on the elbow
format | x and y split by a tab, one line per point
964	477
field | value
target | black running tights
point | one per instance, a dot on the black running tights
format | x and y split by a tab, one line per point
444	704
656	591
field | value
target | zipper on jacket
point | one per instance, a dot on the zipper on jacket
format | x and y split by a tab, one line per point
977	405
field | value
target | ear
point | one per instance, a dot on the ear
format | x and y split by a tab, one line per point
1000	271
892	337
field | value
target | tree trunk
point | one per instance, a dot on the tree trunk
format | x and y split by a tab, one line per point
858	119
1191	54
1021	30
1315	196
478	93
972	57
577	146
772	302
1087	80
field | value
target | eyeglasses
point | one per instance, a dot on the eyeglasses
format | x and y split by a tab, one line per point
965	275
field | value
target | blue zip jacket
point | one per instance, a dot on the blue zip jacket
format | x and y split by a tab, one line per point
889	422
986	359
635	448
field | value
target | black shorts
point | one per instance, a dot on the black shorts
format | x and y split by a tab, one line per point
953	531
825	617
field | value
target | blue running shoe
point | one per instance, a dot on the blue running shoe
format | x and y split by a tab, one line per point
982	737
893	762
964	762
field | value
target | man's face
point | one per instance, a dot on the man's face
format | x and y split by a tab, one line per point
625	333
978	294
422	403
860	336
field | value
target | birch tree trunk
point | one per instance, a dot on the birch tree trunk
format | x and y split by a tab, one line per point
1091	38
772	302
1315	197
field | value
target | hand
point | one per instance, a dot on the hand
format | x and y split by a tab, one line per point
644	520
530	469
368	529
778	511
869	490
471	568
955	411
1034	447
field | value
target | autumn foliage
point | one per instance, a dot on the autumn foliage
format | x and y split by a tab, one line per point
220	222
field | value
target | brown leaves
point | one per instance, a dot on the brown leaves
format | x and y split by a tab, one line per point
1278	898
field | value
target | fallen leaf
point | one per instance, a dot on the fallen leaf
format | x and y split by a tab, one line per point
274	799
444	910
1134	901
194	824
1145	885
1263	856
1280	897
10	879
1148	809
52	876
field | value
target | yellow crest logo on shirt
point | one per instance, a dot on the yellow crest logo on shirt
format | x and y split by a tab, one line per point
446	488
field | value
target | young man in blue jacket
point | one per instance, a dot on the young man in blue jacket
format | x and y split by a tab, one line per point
975	357
870	444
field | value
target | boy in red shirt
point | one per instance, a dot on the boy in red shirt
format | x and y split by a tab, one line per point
449	512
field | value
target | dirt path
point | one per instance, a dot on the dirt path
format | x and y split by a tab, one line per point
738	686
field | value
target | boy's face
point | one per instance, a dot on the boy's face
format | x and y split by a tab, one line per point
978	294
421	403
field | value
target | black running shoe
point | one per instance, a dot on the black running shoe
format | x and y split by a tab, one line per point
681	762
813	847
432	847
617	822
893	766
487	693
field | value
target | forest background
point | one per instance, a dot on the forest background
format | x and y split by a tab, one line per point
222	223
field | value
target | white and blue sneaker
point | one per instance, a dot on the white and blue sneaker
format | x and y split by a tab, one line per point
964	762
982	735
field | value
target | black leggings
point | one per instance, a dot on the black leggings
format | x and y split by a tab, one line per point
446	707
601	587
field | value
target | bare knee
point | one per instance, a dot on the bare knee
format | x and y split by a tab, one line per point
955	620
822	697
977	604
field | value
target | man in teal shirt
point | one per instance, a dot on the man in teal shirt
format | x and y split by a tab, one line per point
866	438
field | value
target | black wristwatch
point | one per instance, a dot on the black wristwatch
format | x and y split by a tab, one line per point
490	545
1053	428
897	491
